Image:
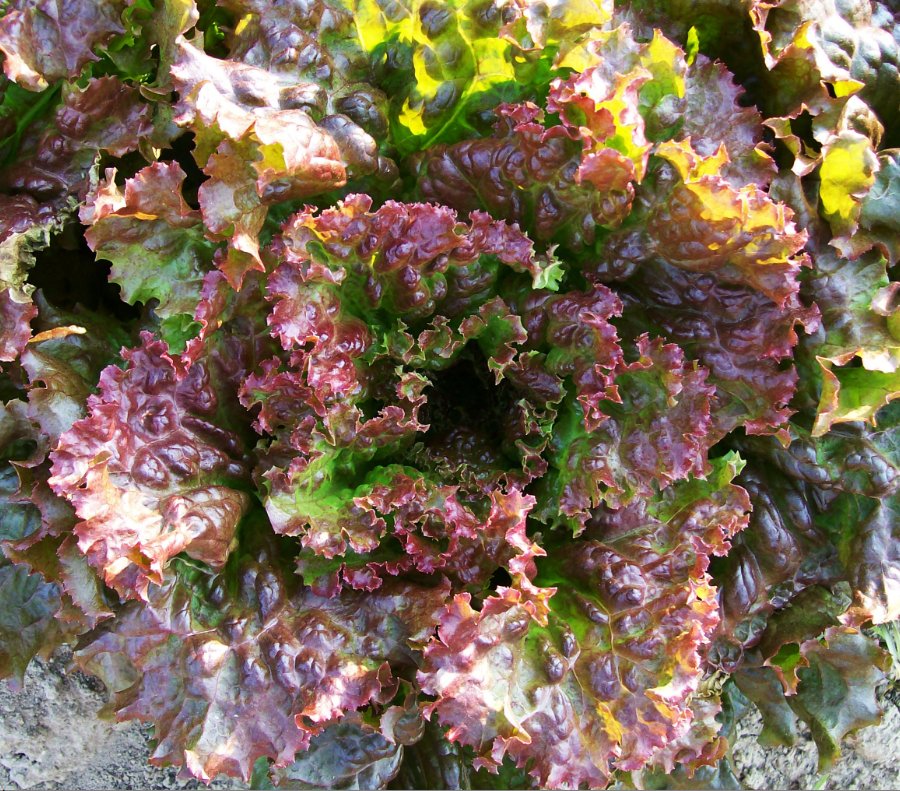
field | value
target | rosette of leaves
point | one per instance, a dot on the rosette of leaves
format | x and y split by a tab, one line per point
452	394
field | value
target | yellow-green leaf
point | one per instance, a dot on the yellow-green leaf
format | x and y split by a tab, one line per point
848	171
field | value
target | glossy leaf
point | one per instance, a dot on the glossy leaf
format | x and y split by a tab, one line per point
864	530
392	441
847	173
444	63
348	271
63	362
232	210
152	237
57	153
714	116
837	691
246	664
25	229
343	756
835	696
224	99
150	471
526	173
435	762
706	225
26	618
651	430
782	552
737	333
878	214
852	47
47	40
569	679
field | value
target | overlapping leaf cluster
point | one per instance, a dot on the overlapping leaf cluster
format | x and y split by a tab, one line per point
452	392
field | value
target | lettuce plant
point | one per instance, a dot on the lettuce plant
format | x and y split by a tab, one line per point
453	393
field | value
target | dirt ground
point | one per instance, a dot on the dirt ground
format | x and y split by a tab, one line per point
52	738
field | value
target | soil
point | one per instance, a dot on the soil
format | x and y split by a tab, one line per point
53	737
868	759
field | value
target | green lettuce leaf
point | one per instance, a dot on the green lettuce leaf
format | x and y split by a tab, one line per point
838	676
27	623
152	237
347	755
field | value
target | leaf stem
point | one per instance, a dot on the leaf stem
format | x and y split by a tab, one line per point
14	140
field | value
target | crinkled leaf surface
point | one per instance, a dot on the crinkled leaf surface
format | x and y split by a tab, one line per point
714	116
315	51
57	155
442	63
572	679
430	531
15	331
569	180
232	210
865	531
435	762
859	330
152	237
247	664
25	229
219	99
740	335
368	304
705	225
781	553
566	180
878	224
48	40
526	173
851	46
857	303
152	470
63	362
39	612
428	405
852	457
653	430
35	526
22	450
344	756
699	746
26	617
836	693
823	515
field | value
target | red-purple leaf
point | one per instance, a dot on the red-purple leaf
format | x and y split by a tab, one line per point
151	471
740	335
225	99
653	427
247	664
15	324
56	158
48	40
597	671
